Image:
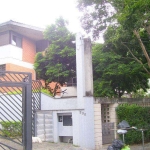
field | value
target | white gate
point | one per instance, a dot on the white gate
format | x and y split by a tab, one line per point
44	126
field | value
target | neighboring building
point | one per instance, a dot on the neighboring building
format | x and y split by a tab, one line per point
19	44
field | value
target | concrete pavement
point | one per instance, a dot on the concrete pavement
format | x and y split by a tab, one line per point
66	146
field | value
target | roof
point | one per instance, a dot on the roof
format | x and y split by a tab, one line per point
31	32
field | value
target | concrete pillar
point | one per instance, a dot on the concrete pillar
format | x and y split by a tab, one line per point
97	126
88	67
113	117
84	69
55	127
80	66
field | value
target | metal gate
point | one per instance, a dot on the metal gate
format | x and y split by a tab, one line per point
107	125
107	133
17	108
36	102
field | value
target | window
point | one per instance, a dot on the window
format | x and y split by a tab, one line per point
16	40
2	68
67	120
105	113
60	118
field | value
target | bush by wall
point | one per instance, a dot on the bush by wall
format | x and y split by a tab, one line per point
137	116
11	128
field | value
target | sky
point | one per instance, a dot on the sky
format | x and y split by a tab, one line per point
41	13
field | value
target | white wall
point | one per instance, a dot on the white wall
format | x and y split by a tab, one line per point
83	119
68	130
10	51
13	55
86	136
64	130
50	103
69	91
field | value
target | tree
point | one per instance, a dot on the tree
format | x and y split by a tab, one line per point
97	15
115	70
131	15
134	16
128	38
58	61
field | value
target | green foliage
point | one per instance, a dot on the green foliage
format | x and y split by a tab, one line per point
119	64
39	65
132	14
131	26
11	128
99	14
58	62
15	92
136	116
115	71
46	91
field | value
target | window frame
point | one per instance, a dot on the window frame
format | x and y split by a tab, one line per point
17	41
2	68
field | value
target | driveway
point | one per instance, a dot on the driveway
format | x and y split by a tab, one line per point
55	146
66	146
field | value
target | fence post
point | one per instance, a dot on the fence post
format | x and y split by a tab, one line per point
28	115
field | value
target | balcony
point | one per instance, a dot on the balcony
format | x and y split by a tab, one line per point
10	51
10	54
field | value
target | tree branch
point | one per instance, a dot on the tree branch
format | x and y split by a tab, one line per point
135	58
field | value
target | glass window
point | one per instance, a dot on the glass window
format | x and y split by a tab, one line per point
2	68
67	120
16	40
60	118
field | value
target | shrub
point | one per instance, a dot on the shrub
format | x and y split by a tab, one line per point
46	91
11	128
137	116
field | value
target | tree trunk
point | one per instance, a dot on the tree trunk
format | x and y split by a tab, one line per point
148	30
143	47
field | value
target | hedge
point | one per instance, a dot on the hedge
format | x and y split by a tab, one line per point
137	116
11	128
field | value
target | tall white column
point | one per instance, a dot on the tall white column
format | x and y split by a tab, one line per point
88	67
80	66
84	66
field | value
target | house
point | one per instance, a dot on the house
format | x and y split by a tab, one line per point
19	44
70	117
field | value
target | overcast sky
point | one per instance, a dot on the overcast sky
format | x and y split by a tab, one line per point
41	13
